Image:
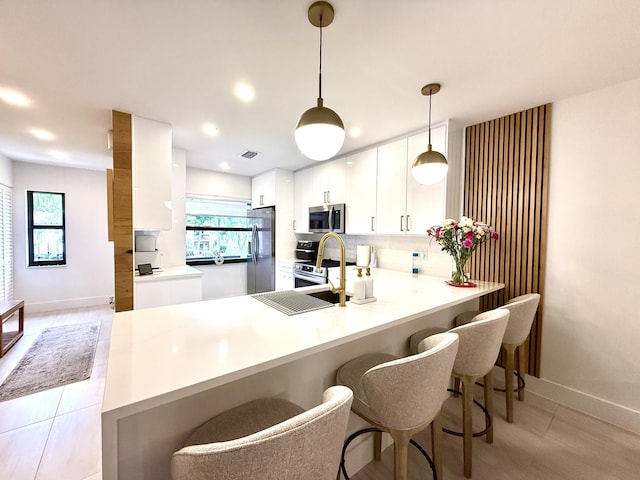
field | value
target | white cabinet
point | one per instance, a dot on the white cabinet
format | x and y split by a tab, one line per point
151	171
263	190
425	203
404	206
329	183
284	275
303	180
361	174
172	286
392	185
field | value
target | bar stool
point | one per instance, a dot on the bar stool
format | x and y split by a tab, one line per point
523	310
269	439
479	347
402	396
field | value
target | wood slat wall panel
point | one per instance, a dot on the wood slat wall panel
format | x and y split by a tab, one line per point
506	185
122	211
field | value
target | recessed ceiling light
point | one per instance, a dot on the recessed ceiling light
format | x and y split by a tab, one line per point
15	98
244	92
224	166
355	132
42	134
210	129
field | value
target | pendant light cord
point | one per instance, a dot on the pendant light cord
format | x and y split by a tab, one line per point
429	116
320	69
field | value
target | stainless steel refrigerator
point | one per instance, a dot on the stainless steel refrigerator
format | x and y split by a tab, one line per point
261	261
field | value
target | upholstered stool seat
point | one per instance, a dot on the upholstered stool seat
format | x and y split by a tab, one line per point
479	346
402	396
270	439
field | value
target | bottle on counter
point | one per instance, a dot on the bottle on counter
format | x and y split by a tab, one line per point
414	265
368	284
359	289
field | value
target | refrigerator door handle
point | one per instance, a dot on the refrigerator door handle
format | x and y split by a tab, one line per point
254	243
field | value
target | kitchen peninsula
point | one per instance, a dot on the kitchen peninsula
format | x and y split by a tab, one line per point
171	368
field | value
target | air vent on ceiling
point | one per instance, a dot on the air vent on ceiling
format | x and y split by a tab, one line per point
249	154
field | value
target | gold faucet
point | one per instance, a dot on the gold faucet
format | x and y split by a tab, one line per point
343	271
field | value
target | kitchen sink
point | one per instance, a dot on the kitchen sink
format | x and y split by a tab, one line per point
291	302
328	296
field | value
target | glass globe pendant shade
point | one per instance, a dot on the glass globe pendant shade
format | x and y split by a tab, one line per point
429	167
320	133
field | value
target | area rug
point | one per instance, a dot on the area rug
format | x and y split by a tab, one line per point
61	355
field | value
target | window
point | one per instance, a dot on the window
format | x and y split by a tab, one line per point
45	224
216	228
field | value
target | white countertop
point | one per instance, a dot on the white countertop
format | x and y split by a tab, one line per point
166	273
159	355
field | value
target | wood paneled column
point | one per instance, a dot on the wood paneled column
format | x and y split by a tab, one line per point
506	185
122	211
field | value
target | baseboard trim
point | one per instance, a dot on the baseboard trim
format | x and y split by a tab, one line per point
610	412
66	304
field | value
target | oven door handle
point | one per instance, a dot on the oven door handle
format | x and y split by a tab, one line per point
331	218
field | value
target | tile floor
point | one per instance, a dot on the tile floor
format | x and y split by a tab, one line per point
55	434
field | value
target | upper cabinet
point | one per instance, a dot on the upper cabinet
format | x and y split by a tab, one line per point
151	171
405	206
360	199
392	187
263	190
303	198
382	196
328	183
425	204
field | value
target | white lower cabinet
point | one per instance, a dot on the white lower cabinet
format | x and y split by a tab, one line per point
284	275
170	287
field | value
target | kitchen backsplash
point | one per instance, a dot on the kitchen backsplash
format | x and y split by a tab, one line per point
392	251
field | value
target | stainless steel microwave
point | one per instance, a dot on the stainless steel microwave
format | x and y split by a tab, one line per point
327	218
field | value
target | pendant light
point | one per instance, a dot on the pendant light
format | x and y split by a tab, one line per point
320	131
429	167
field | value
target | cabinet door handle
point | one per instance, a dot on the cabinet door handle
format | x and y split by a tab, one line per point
408	223
401	222
372	223
294	225
328	196
261	199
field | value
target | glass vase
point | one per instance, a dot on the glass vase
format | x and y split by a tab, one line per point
459	276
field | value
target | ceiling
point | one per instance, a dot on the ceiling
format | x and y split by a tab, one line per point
178	62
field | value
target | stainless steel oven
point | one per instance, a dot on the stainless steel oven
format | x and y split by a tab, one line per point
307	274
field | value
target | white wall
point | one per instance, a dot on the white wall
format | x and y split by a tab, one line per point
6	171
87	279
591	330
227	280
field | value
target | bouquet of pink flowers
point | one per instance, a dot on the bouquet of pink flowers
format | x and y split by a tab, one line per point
460	240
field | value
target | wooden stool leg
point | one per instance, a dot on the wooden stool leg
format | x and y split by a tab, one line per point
467	421
436	443
400	453
377	446
521	368
488	404
508	379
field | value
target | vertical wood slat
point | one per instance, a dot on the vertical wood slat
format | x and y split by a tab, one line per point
122	211
110	204
506	185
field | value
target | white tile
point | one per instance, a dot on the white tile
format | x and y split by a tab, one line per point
29	409
21	449
73	450
79	395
